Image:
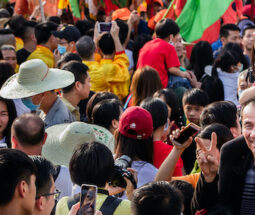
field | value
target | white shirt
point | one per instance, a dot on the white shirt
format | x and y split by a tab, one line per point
230	81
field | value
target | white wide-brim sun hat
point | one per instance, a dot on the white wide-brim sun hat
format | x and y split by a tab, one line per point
34	77
62	140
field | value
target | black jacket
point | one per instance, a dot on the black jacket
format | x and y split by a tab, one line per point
235	159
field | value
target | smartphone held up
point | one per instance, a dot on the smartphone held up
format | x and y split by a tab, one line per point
88	199
190	130
104	27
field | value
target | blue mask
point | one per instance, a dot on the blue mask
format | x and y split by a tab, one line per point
61	49
240	93
29	104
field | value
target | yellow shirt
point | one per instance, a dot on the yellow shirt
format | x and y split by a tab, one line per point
19	43
122	209
74	110
43	53
110	75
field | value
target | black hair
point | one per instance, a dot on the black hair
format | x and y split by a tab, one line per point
123	32
223	112
172	101
91	163
54	19
43	31
105	111
249	27
230	55
85	47
187	191
5	31
156	198
134	148
166	27
157	109
65	58
201	56
106	44
139	42
195	96
44	175
213	86
16	24
29	26
224	30
29	129
12	115
95	99
8	72
80	72
15	166
223	133
84	26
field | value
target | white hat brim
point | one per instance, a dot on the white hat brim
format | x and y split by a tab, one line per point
55	79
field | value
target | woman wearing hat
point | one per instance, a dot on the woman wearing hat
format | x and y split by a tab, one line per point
134	139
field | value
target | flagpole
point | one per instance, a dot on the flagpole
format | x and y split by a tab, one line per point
168	9
42	10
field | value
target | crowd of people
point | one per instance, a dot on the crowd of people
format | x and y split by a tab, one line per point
111	101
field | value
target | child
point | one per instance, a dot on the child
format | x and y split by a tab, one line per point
193	102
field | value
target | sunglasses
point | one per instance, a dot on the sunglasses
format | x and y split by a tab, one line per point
56	195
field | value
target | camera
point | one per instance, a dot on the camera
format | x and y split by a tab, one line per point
120	169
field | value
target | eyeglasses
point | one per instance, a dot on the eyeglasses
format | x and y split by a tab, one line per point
56	195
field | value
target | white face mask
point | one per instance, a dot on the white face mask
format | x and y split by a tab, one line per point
171	42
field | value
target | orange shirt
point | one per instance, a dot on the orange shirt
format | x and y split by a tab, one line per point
191	178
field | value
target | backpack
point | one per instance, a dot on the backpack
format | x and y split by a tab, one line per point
108	207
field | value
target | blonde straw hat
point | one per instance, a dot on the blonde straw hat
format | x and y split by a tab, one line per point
34	77
62	139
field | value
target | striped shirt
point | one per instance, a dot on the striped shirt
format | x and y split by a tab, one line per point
248	197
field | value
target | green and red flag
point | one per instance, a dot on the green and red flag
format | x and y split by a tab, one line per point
198	15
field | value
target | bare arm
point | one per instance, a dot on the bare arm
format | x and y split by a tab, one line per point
115	35
176	71
167	168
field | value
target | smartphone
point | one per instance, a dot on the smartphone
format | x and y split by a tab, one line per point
88	199
104	27
190	130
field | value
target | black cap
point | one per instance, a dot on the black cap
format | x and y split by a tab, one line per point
70	33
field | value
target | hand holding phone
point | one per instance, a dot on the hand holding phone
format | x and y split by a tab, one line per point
190	130
88	199
104	27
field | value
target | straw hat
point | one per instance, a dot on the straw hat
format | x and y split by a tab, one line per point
34	77
64	138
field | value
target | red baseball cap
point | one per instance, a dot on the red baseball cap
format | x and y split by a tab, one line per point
136	123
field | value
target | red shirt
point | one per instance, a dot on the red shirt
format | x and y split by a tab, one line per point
161	151
161	56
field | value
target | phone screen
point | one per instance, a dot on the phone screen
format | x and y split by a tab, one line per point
88	199
189	130
105	26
